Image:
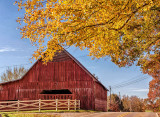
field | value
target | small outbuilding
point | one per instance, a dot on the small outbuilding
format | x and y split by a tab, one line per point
62	78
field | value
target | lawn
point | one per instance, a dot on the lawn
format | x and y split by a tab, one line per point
148	111
28	115
43	113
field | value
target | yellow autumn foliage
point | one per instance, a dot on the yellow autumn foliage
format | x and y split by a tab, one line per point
125	30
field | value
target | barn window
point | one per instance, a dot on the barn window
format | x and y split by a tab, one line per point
63	91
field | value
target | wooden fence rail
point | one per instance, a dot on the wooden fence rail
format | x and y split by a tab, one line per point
57	104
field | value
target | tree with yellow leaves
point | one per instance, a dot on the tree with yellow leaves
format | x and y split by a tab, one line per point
125	30
13	74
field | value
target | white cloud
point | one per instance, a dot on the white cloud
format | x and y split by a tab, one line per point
141	90
7	49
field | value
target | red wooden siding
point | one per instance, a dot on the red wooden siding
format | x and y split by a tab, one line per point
64	72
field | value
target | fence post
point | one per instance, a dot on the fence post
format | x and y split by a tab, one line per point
68	104
39	105
75	104
18	106
56	104
79	104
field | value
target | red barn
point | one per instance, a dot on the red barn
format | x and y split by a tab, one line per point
63	78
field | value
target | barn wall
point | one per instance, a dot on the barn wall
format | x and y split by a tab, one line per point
100	97
61	73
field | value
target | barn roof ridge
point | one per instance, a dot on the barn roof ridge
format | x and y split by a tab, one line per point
89	73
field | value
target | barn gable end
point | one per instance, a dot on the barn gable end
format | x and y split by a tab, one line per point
63	74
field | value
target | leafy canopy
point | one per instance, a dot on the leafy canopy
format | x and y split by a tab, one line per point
125	30
151	66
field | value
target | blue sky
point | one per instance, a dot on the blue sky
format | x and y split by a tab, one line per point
15	51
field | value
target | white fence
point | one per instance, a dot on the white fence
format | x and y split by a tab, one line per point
57	104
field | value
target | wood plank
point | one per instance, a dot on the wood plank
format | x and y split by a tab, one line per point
40	104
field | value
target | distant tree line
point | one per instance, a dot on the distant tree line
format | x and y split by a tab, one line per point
13	74
129	104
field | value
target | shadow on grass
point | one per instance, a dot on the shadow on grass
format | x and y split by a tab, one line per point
5	115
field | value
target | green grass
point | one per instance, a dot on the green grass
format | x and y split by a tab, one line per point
148	111
50	111
28	115
36	113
